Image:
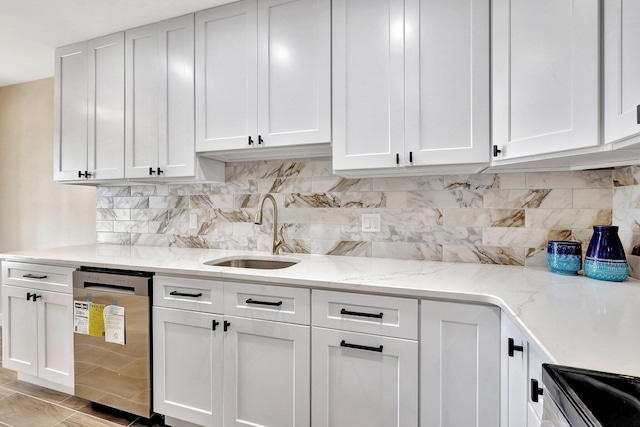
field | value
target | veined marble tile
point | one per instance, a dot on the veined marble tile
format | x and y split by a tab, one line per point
104	202
233	243
520	199
343	248
444	199
567	218
476	217
157	227
113	238
626	197
179	241
601	178
388	233
513	181
188	189
597	198
158	202
517	237
285	185
296	246
472	182
220	229
107	191
627	219
320	215
311	231
148	214
113	214
238	186
403	250
337	184
231	215
130	226
408	183
444	235
149	190
312	200
536	257
162	240
212	201
373	199
634	266
104	226
413	216
483	254
245	229
629	175
582	235
178	202
131	202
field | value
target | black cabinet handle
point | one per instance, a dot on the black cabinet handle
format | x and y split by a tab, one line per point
34	276
250	141
226	325
397	158
86	174
160	171
182	294
151	171
260	141
29	295
410	156
535	390
356	313
343	343
34	296
251	301
638	114
214	323
496	151
513	347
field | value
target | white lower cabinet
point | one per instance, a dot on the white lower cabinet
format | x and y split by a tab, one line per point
363	380
459	365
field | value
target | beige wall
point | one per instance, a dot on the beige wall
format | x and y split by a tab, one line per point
34	211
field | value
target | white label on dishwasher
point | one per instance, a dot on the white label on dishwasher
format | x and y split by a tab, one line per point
81	317
114	324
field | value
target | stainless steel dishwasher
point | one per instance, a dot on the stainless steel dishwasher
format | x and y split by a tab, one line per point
113	370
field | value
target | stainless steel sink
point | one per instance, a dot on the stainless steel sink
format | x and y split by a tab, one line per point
253	262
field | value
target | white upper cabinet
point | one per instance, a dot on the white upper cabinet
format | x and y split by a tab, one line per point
160	138
410	85
263	79
621	71
89	110
545	72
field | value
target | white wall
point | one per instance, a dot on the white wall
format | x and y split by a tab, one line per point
35	212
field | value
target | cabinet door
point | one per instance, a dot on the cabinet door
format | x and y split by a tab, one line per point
545	72
20	330
188	365
447	82
177	147
55	337
621	69
459	365
374	385
368	83
267	380
226	77
70	112
294	71
514	375
106	107
142	101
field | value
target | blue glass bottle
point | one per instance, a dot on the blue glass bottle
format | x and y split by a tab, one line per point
605	258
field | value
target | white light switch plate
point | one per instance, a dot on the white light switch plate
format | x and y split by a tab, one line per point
193	221
370	223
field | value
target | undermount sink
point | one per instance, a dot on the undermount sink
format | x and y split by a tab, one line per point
253	262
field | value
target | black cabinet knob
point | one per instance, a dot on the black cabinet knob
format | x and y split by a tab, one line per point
496	151
513	347
535	390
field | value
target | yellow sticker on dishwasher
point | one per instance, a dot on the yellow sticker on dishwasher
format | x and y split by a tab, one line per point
96	320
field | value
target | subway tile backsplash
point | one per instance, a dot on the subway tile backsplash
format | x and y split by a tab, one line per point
487	218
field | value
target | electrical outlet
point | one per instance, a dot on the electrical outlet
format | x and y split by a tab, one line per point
193	221
370	223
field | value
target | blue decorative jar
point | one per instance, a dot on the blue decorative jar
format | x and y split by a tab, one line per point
564	257
605	259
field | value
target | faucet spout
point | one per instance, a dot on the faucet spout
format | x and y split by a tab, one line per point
277	243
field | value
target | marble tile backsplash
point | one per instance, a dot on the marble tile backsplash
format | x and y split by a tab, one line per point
486	218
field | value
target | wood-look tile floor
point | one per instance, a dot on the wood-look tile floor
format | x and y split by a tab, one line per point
26	405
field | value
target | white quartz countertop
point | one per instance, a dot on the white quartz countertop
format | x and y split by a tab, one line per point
578	321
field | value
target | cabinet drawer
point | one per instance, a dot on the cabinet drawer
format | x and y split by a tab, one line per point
36	276
188	294
281	304
372	314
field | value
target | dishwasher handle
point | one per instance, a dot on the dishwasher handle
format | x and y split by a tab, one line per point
100	287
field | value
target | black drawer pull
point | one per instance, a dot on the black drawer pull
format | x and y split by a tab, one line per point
535	390
251	301
34	276
513	347
355	313
181	294
343	343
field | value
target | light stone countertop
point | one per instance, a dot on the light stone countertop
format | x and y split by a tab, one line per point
578	321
